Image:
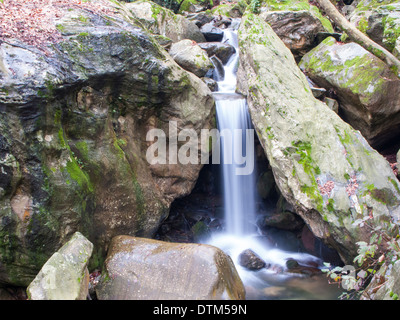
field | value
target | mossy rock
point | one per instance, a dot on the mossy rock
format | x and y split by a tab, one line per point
362	91
322	166
296	5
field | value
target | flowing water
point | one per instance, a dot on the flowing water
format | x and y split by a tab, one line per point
239	188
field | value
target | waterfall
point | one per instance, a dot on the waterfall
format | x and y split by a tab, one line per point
238	174
240	192
237	143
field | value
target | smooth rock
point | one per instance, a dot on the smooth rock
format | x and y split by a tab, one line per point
250	260
211	32
223	51
139	268
323	167
219	71
283	220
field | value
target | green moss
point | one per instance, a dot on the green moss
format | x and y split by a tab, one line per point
83	149
304	150
77	174
391	31
361	74
330	206
367	5
60	27
363	25
395	184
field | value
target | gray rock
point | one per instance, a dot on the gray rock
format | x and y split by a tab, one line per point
250	260
211	83
73	128
219	71
223	51
65	275
191	57
332	104
138	268
200	18
162	21
283	220
211	32
323	167
369	96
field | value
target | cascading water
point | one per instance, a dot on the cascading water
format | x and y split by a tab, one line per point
239	183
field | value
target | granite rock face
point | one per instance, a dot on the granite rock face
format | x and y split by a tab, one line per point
73	138
323	167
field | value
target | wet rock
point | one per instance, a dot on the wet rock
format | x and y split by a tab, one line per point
250	260
219	72
200	18
283	220
222	50
318	93
139	268
211	83
293	266
297	29
211	32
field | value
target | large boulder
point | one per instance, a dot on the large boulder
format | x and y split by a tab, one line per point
162	21
323	167
191	57
139	268
297	29
289	7
73	138
380	20
368	91
65	275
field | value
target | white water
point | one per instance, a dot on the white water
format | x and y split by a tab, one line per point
239	192
239	189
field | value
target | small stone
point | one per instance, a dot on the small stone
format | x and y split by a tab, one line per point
291	263
250	260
